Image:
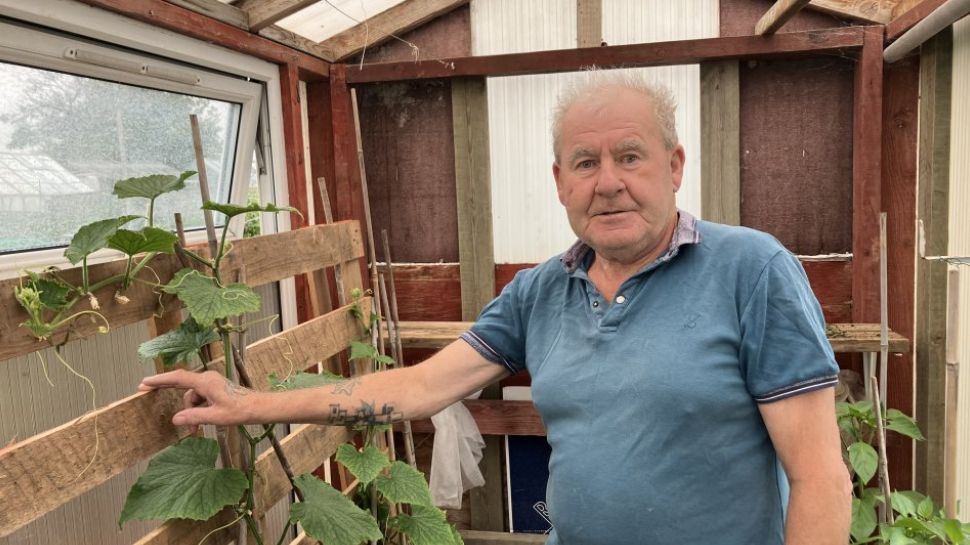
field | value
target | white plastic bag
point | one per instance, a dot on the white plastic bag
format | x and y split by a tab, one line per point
454	461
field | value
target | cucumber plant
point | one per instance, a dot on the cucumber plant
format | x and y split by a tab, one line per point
184	481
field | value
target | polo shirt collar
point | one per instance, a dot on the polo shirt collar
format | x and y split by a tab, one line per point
686	232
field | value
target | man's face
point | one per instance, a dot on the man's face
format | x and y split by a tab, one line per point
615	177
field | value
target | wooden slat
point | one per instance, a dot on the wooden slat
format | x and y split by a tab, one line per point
184	21
231	15
291	39
812	42
777	15
867	178
497	417
269	258
475	537
901	23
47	468
379	28
931	297
867	11
589	23
263	13
720	142
847	337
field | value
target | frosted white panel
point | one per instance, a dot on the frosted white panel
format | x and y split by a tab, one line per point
529	224
959	235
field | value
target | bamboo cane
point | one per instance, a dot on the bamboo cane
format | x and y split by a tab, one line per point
952	399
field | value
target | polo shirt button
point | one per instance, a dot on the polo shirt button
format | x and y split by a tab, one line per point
596	304
620	299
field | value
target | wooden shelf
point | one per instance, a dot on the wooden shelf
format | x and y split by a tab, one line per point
843	337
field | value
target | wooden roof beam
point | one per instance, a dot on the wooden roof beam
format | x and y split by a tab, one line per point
777	15
263	13
868	11
399	19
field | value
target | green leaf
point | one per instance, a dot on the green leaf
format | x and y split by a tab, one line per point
386	360
232	210
404	484
925	508
425	526
896	536
905	502
52	292
903	424
299	380
92	237
149	239
150	187
456	537
328	516
953	530
206	301
183	482
366	464
178	345
864	460
362	351
863	519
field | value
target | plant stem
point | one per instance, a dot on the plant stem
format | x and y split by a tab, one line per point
284	532
141	264
84	275
253	528
126	279
151	212
221	252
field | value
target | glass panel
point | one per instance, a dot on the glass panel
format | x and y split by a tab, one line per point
65	140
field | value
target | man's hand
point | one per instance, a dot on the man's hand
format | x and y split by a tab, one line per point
209	399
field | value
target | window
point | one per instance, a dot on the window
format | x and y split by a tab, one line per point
76	116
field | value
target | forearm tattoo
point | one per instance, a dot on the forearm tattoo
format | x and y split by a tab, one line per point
366	415
345	387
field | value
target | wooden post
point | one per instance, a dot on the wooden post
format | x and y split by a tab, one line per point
952	390
477	263
933	210
866	178
589	23
720	142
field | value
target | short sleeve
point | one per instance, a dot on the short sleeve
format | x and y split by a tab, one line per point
499	333
784	349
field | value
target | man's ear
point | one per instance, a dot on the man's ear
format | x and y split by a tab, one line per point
677	158
556	171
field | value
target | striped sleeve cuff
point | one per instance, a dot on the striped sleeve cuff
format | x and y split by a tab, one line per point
802	387
487	351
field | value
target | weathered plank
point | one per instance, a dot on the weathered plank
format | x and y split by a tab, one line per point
50	468
908	19
231	15
474	537
269	258
393	21
777	15
811	42
867	11
291	39
263	13
933	209
848	337
497	417
720	142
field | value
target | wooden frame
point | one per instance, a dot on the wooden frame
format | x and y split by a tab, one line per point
49	468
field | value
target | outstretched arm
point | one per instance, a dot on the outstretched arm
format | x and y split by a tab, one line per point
404	393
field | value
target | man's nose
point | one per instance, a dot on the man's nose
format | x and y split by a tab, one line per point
609	179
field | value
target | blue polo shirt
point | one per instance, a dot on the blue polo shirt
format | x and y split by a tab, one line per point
650	402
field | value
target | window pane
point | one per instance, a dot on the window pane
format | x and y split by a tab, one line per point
65	140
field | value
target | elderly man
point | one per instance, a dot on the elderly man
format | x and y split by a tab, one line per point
675	362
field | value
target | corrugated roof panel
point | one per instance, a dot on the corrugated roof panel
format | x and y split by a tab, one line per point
331	17
26	174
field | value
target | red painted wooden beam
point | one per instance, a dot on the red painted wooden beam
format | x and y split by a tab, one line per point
497	417
813	42
184	21
908	20
867	177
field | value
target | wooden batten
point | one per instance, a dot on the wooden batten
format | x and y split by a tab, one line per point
907	20
777	15
811	42
269	258
291	39
263	13
589	23
866	178
395	21
474	537
720	142
226	13
185	21
931	290
497	417
867	11
50	468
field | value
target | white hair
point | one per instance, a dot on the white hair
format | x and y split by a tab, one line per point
594	80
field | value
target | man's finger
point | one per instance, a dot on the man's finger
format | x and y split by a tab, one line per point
179	378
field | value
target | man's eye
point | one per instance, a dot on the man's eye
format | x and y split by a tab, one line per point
629	158
588	163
